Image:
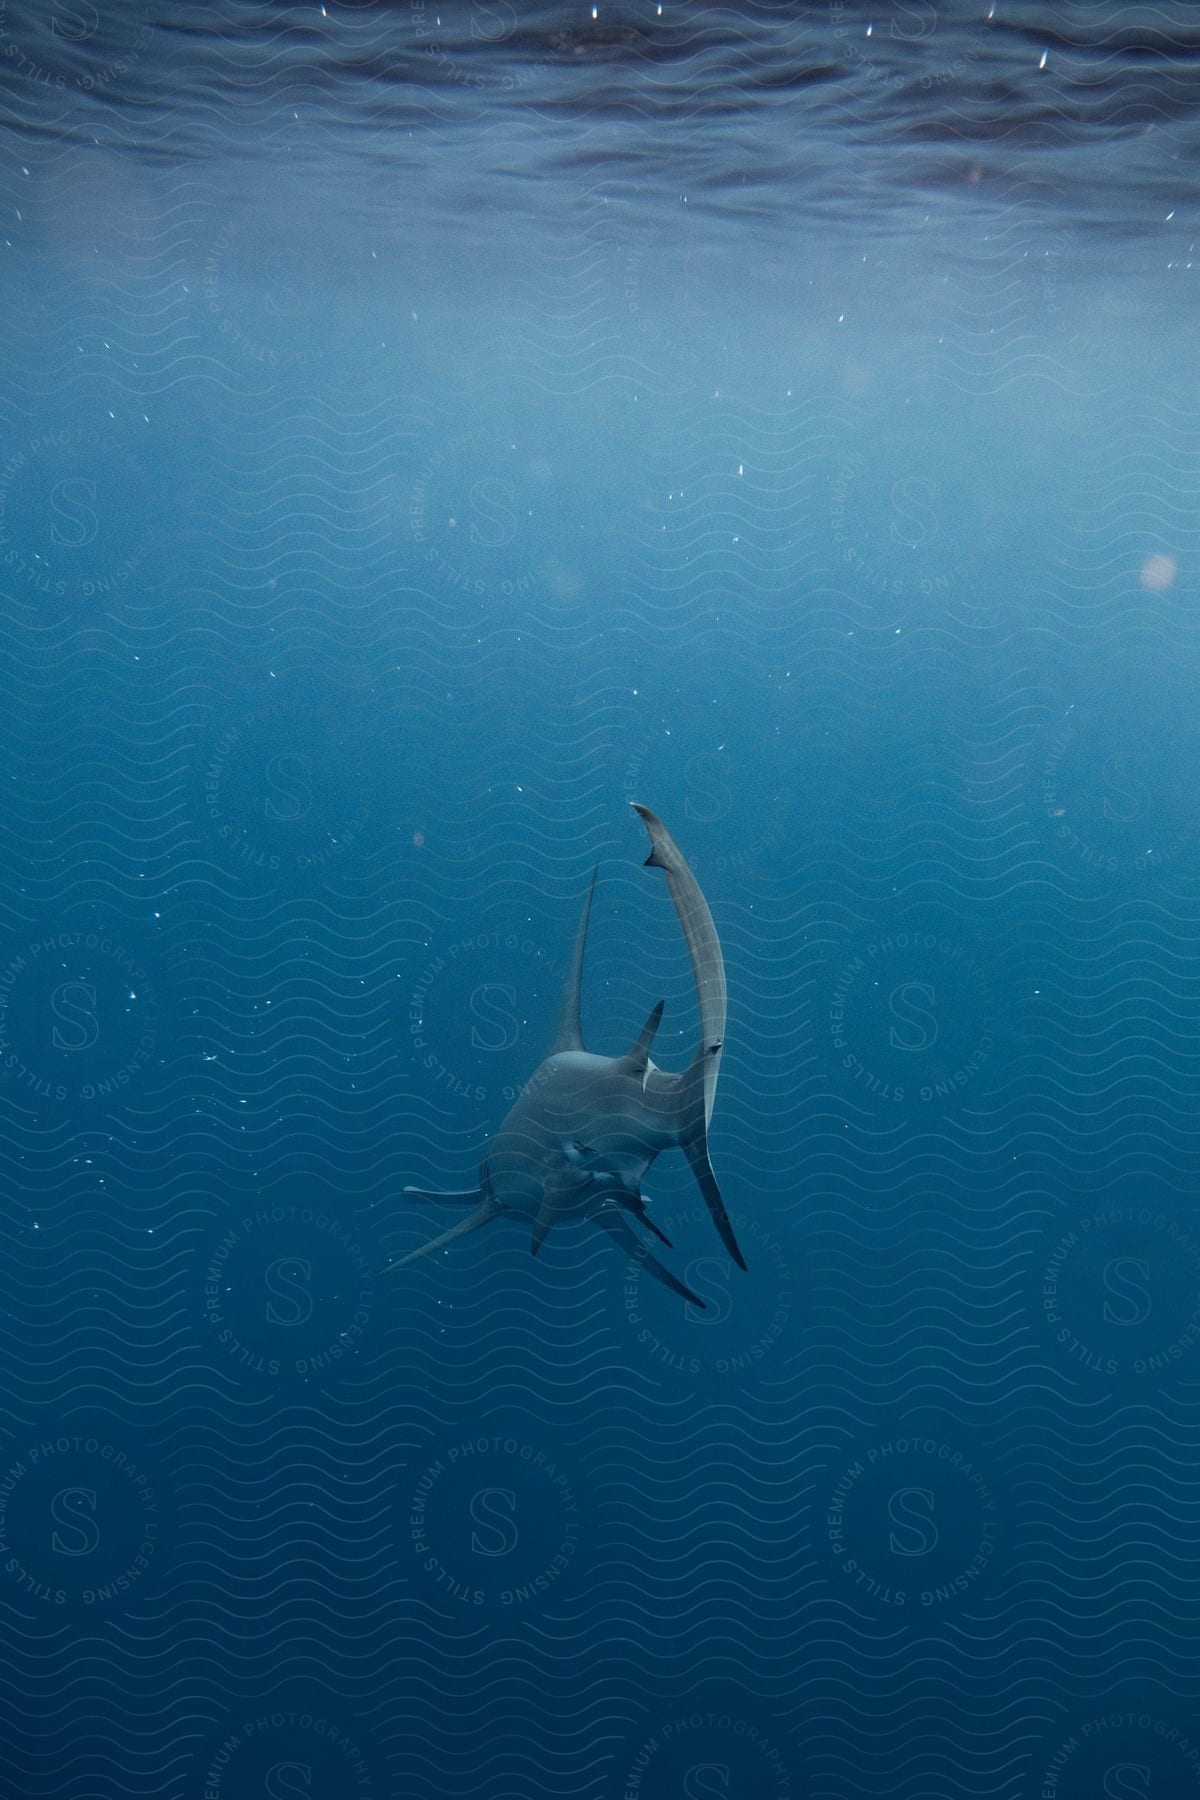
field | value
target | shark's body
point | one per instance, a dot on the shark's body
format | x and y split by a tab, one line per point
579	1140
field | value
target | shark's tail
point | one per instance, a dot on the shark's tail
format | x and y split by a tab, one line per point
704	948
693	1141
696	1090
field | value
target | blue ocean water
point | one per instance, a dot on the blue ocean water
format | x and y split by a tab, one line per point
423	432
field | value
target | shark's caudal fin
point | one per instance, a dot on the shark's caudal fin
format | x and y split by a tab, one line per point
695	1148
569	1035
697	1089
704	947
483	1215
622	1234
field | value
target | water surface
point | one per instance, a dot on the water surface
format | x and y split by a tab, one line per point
422	433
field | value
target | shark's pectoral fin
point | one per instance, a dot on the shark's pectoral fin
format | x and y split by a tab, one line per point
695	1148
451	1196
542	1223
483	1215
633	1203
617	1227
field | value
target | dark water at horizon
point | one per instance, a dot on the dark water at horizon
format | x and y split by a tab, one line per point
421	434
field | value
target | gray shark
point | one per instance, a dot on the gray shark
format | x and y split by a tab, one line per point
578	1141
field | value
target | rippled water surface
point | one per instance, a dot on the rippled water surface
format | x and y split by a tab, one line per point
420	435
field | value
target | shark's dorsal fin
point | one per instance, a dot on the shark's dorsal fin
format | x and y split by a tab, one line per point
637	1058
569	1035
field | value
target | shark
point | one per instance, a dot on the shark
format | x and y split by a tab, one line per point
578	1141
